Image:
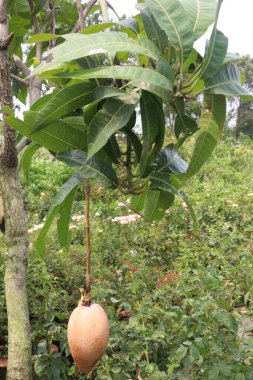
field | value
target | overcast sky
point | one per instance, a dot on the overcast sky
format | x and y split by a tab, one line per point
235	21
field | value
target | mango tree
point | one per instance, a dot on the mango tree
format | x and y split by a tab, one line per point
102	77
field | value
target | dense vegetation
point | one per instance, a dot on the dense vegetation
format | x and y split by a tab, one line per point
183	293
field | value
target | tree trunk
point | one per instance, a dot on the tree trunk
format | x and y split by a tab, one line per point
19	341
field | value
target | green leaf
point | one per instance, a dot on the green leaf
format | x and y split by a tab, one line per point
64	235
185	125
215	55
169	160
112	149
156	203
152	29
39	5
61	103
97	27
79	46
113	116
56	137
211	125
26	159
42	37
149	109
90	168
174	20
69	186
227	82
202	14
216	51
133	73
137	201
162	181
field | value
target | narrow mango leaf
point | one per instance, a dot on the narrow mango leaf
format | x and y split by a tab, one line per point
26	159
112	149
137	201
153	88
69	186
137	146
62	102
97	27
227	82
38	6
185	125
216	51
42	37
162	181
113	116
133	73
149	127
215	56
56	137
169	160
156	203
90	168
211	125
174	20
79	46
202	14
76	122
64	234
152	29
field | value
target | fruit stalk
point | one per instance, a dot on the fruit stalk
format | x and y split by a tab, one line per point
87	220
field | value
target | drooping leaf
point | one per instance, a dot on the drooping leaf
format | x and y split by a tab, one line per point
169	160
64	235
113	116
137	201
78	46
151	120
153	30
156	203
185	125
202	14
112	149
216	55
56	137
162	181
69	186
133	73
90	168
26	159
211	125
174	20
63	102
227	82
216	50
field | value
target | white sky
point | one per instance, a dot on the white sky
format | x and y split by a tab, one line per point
235	21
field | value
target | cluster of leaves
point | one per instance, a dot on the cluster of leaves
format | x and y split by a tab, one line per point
102	77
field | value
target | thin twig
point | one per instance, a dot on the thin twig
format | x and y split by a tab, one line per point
90	4
21	80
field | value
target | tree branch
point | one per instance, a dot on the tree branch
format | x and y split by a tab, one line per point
21	80
90	4
80	14
19	64
52	24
